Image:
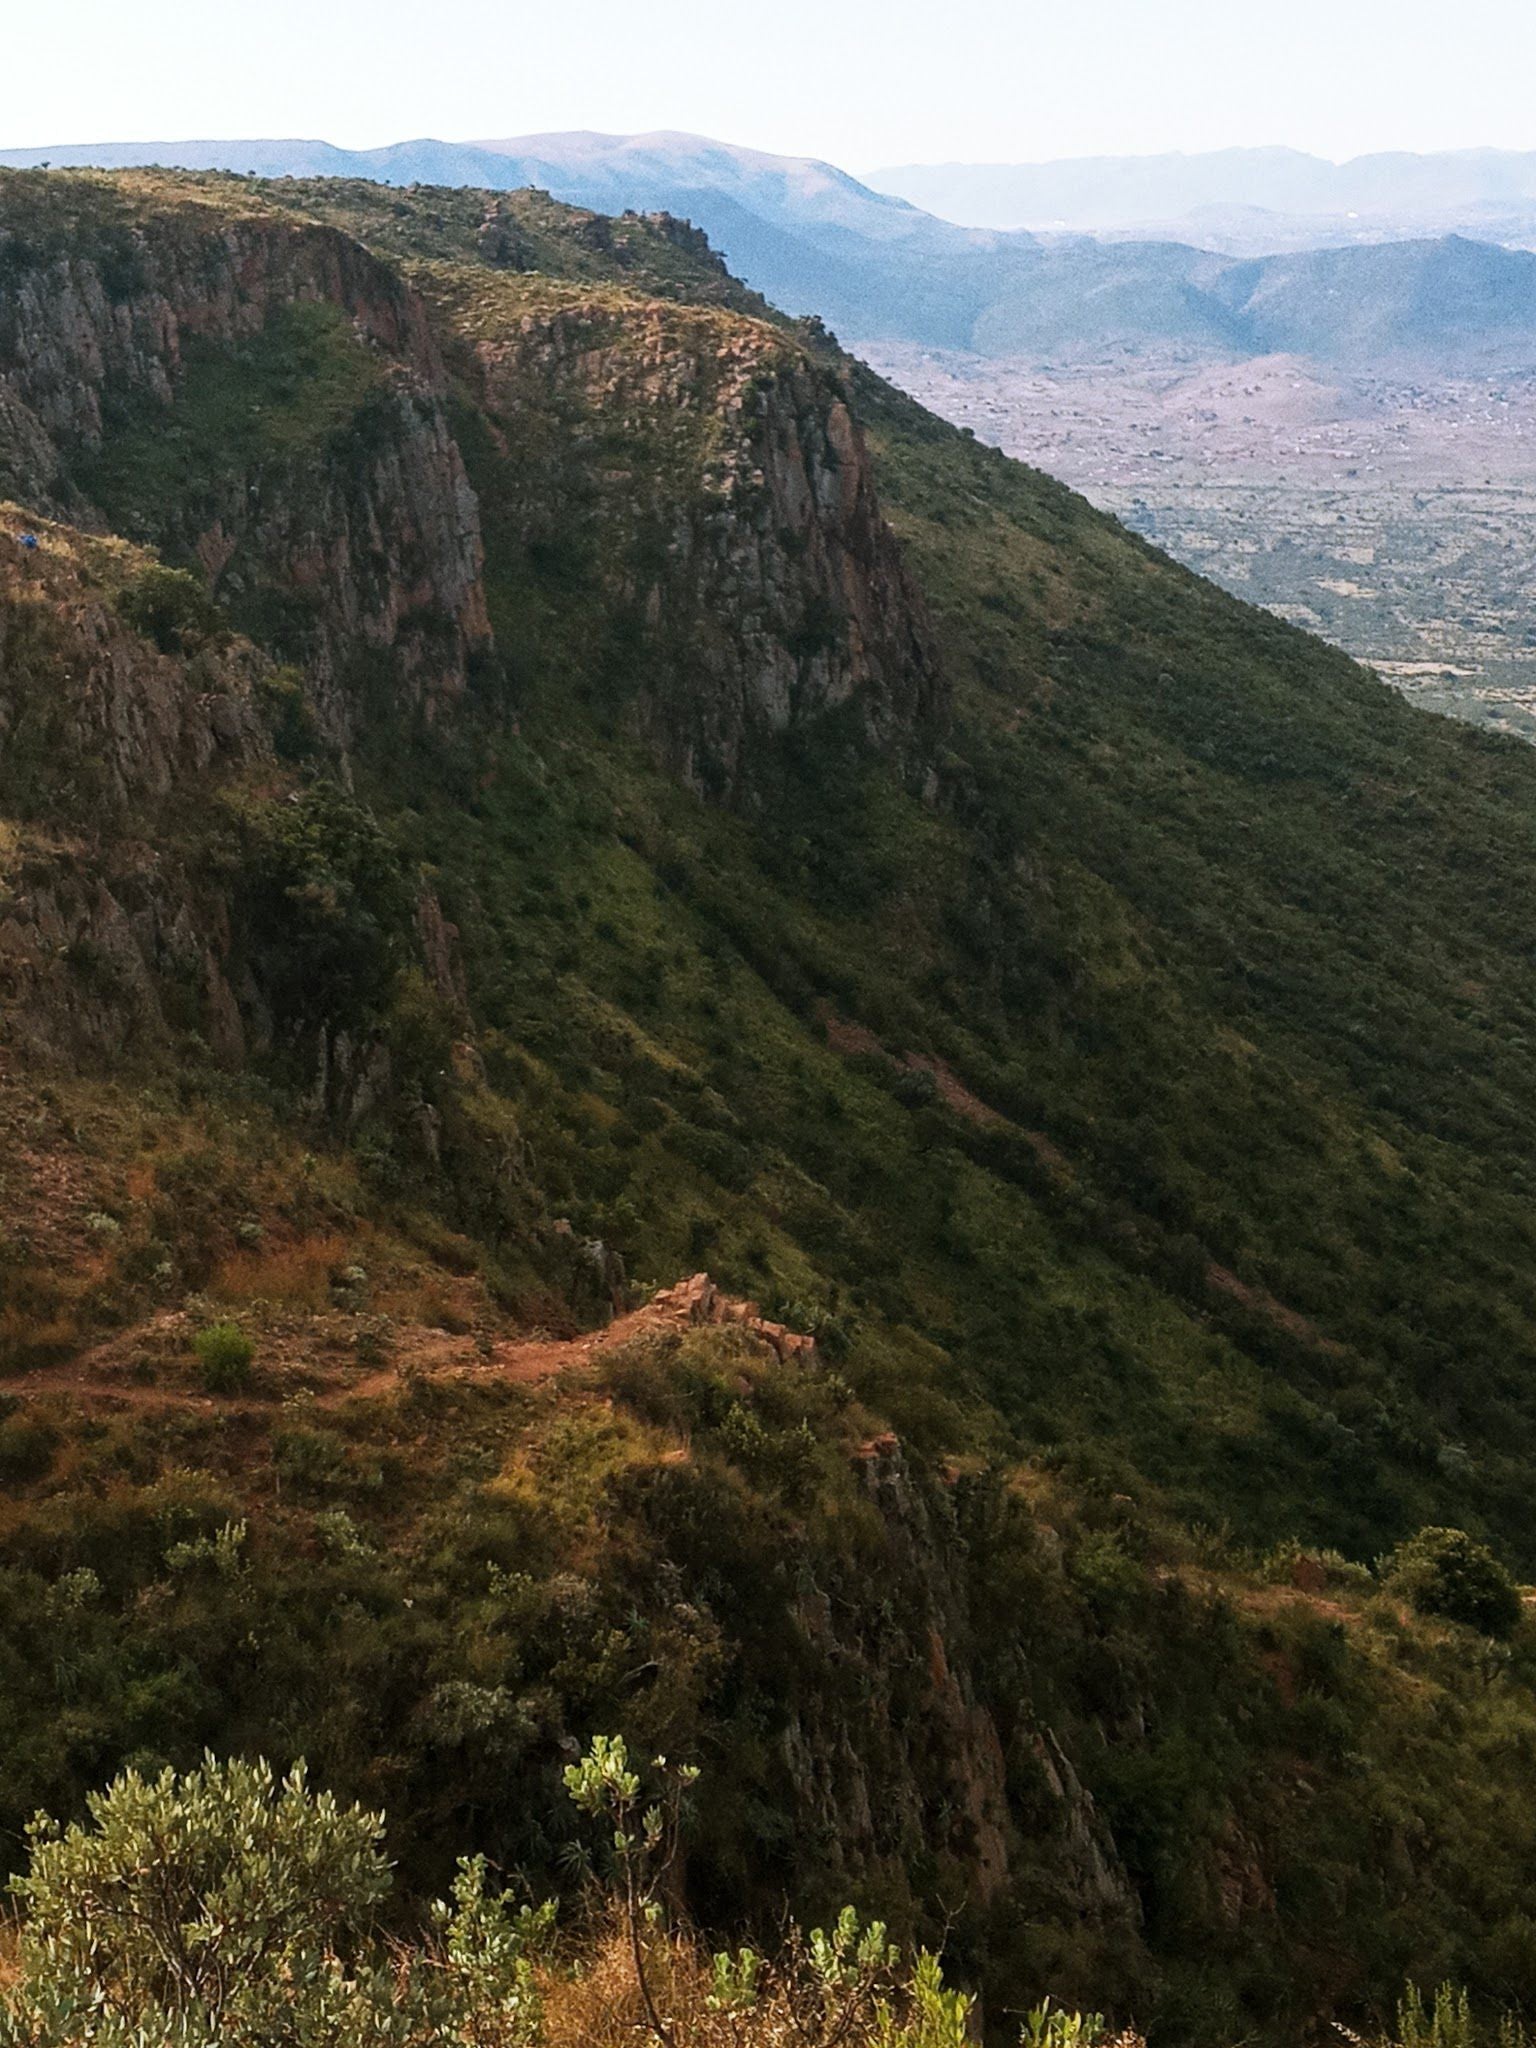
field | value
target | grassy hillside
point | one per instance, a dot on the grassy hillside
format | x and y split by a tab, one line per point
1095	1012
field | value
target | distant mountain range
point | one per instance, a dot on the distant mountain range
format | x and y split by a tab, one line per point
1465	188
807	235
1445	303
612	172
877	266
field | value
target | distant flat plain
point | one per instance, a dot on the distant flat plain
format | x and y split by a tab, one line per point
1394	514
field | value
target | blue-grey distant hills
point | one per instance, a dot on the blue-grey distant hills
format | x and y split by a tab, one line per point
878	267
809	236
1447	303
1398	190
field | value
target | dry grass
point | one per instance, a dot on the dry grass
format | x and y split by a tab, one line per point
598	2005
296	1274
29	1340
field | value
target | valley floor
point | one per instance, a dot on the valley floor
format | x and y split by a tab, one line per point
1390	515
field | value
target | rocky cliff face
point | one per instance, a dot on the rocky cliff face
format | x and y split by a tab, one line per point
259	395
262	399
103	736
904	1761
705	477
157	852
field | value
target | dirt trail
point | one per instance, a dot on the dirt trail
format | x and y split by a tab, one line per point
310	1360
846	1037
690	1303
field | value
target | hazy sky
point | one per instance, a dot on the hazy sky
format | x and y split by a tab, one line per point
863	82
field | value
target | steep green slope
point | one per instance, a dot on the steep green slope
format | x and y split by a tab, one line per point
1285	1016
1196	904
1096	1011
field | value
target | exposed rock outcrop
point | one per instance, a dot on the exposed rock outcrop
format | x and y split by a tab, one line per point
99	731
94	718
337	510
698	1301
956	1754
703	477
689	477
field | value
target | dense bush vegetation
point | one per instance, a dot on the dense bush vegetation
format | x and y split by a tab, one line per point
223	1908
172	608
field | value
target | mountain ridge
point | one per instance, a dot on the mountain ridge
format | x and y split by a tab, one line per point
1095	1013
816	242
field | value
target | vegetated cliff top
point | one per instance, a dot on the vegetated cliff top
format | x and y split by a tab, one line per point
1406	287
600	787
520	230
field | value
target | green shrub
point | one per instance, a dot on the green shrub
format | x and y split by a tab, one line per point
289	715
219	1897
309	1460
1445	1572
225	1353
27	1447
171	608
1053	2026
1448	2021
226	1909
323	896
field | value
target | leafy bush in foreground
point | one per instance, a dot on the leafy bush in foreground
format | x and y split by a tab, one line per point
224	1908
221	1894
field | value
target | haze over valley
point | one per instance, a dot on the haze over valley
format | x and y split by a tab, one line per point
1253	201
